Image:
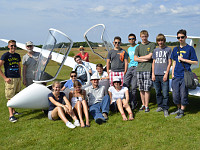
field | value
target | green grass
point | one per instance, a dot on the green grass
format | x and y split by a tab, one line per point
148	131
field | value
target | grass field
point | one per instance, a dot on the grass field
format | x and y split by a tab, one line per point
148	131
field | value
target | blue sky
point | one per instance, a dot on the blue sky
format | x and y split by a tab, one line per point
24	20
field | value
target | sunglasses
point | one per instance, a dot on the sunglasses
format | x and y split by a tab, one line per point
29	45
117	42
13	46
73	76
81	49
131	39
180	37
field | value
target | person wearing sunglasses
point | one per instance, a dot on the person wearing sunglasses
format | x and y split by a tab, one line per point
143	55
130	79
117	61
70	83
184	53
12	76
84	55
29	62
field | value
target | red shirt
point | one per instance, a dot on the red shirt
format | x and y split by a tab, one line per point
83	56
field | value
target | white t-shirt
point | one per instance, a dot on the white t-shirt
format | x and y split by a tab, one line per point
105	74
117	94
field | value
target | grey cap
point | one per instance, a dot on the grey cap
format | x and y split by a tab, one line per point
29	43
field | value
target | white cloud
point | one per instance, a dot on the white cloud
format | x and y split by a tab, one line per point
98	9
162	9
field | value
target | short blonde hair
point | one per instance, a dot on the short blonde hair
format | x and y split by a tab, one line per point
160	37
144	32
11	41
55	82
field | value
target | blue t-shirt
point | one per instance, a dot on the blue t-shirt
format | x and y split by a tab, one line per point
131	52
11	64
60	100
161	57
187	52
69	84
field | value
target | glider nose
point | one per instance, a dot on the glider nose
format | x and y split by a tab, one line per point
34	96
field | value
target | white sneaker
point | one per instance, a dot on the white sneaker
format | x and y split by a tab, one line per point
70	125
77	123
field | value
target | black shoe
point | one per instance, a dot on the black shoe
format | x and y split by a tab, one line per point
12	119
100	121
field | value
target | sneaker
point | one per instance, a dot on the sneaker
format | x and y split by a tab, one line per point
12	119
179	115
70	125
100	121
16	113
77	123
175	112
159	109
142	108
166	114
105	116
147	109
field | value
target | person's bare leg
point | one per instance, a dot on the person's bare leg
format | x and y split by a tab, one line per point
72	115
128	109
10	111
147	97
142	96
85	110
120	108
79	111
59	112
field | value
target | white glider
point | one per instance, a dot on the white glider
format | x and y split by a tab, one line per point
56	48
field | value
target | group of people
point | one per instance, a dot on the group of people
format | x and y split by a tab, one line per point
148	65
12	77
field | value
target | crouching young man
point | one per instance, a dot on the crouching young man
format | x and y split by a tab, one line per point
98	101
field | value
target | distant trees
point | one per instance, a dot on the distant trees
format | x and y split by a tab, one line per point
84	44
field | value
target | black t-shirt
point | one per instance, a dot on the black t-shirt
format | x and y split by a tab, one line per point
60	100
11	64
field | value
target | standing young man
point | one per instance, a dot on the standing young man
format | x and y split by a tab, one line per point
29	62
12	76
160	73
143	55
117	61
183	54
130	79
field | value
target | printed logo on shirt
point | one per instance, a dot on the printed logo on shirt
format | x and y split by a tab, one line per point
121	56
161	57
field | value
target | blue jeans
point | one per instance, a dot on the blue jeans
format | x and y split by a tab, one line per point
95	109
162	97
179	91
130	81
